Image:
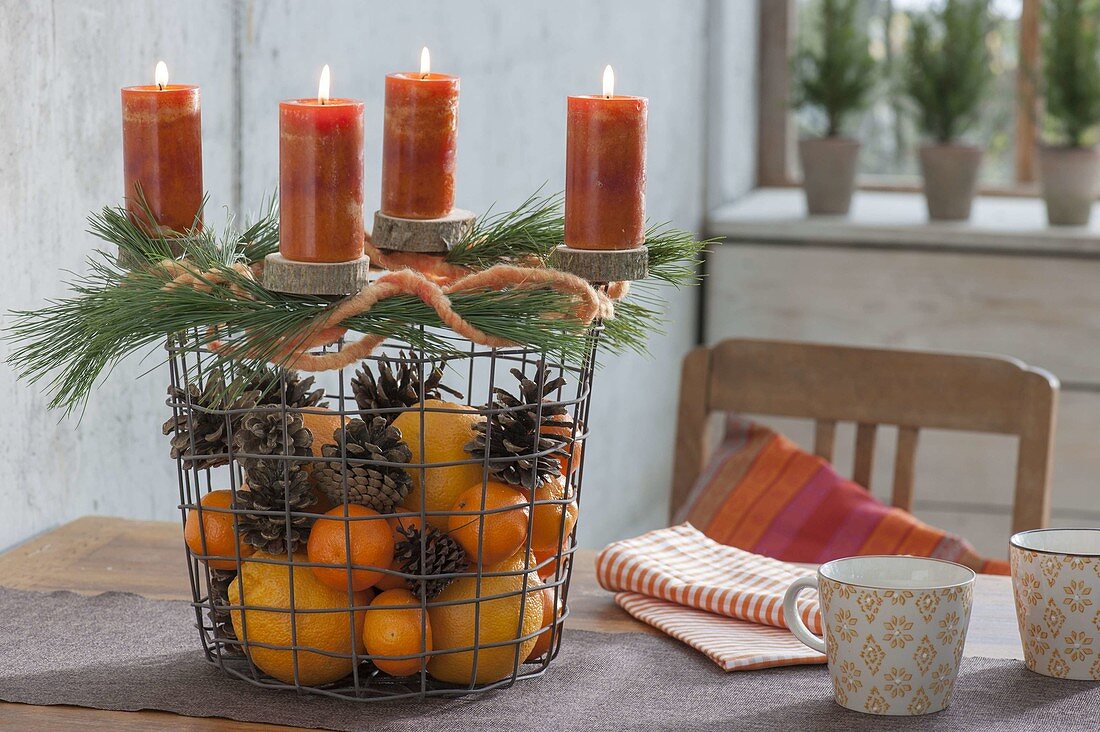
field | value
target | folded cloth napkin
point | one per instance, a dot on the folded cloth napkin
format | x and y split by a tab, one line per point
723	601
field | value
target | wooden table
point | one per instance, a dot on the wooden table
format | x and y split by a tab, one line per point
96	554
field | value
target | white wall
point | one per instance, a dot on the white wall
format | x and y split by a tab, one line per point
61	66
63	62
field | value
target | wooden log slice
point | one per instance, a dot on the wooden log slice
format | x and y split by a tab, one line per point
602	265
315	278
427	236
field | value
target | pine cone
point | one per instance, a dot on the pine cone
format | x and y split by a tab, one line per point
271	488
517	433
378	486
268	382
442	555
271	431
396	391
220	618
200	431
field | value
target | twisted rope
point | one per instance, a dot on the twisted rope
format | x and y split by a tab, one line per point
432	289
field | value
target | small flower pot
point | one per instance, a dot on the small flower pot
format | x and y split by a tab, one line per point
1071	182
828	174
950	179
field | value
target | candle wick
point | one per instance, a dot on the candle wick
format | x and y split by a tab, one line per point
160	87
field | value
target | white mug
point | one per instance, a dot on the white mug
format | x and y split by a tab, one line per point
894	630
1056	586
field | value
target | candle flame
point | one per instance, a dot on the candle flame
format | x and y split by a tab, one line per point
161	74
608	81
425	62
323	86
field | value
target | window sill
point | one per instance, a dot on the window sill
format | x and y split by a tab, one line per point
899	220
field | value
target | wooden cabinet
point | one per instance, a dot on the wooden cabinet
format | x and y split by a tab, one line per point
1004	284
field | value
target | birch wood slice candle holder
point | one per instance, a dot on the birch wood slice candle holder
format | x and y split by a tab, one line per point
602	265
425	236
315	278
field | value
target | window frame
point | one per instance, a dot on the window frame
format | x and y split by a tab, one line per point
776	129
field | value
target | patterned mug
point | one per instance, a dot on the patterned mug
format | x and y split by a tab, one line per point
1056	586
894	630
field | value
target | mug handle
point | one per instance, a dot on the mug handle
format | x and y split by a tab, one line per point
794	618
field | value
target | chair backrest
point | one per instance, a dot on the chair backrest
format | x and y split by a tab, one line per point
871	386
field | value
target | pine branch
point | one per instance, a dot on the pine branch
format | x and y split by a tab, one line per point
534	228
537	226
114	313
674	255
262	237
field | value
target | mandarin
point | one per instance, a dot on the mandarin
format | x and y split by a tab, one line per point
574	448
551	556
542	641
552	522
501	530
395	581
217	530
396	625
371	541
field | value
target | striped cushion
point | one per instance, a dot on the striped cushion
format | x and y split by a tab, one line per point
764	494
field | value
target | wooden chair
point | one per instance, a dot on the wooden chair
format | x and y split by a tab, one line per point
869	386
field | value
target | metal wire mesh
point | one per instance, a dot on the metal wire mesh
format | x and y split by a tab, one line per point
475	371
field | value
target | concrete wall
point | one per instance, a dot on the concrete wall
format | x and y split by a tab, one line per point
64	62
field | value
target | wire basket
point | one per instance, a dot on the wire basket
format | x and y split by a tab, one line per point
489	623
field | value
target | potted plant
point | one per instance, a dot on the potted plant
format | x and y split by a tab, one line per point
945	76
1070	171
833	74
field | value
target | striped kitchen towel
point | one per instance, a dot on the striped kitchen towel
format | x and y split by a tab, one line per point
722	601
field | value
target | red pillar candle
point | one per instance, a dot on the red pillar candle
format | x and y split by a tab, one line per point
419	143
605	170
321	178
162	153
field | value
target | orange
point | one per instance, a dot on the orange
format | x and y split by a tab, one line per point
551	522
541	555
574	447
371	542
501	533
218	531
323	426
394	581
447	434
397	626
268	586
542	641
498	620
391	581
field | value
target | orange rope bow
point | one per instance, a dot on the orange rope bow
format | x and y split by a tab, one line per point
432	288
